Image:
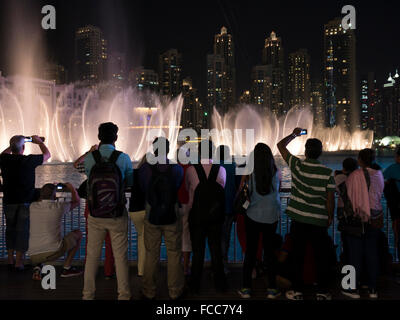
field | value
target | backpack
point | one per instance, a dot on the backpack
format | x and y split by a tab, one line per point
106	189
162	197
350	223
209	198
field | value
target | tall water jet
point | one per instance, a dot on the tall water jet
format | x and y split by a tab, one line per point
270	129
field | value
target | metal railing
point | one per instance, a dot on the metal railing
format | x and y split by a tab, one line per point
76	220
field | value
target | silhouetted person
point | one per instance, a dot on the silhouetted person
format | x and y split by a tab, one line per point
18	173
311	207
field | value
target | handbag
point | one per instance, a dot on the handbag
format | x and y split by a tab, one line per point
242	200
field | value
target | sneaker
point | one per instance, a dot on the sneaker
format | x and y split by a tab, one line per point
71	272
37	273
273	293
245	293
294	295
373	294
324	296
354	294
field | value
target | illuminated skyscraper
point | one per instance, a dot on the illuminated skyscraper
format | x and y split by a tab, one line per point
146	79
261	86
340	76
216	83
221	73
116	66
245	98
318	103
170	73
299	85
55	72
90	55
192	110
224	46
391	107
273	55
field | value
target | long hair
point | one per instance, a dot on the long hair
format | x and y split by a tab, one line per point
264	168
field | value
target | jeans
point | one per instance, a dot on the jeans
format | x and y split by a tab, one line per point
253	230
226	236
173	241
302	233
364	249
17	226
198	235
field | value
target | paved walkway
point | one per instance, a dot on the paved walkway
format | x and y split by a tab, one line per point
20	286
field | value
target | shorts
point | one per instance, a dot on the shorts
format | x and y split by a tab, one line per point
69	242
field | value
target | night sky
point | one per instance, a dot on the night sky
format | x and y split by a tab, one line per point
143	29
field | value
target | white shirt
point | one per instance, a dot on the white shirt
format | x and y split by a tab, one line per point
45	225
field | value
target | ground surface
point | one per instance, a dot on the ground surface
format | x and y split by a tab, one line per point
20	286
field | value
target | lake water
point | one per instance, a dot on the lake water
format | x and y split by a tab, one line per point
54	173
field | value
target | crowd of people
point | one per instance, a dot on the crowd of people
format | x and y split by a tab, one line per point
188	204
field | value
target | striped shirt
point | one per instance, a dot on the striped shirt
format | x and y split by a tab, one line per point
311	181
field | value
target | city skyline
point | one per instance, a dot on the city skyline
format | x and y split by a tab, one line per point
139	32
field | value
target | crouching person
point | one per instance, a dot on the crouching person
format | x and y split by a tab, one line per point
46	243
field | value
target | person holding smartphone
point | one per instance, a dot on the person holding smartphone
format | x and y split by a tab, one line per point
18	172
46	243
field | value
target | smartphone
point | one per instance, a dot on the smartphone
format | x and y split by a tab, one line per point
303	132
29	139
60	186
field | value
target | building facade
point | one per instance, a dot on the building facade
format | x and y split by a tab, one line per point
224	46
55	72
262	86
90	55
145	80
391	106
273	55
192	109
216	83
299	84
170	73
341	102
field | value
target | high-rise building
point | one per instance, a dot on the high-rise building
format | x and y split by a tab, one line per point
224	46
261	86
216	83
170	73
55	72
340	76
299	86
221	73
368	101
146	79
90	55
245	98
192	110
318	103
391	105
116	66
273	55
